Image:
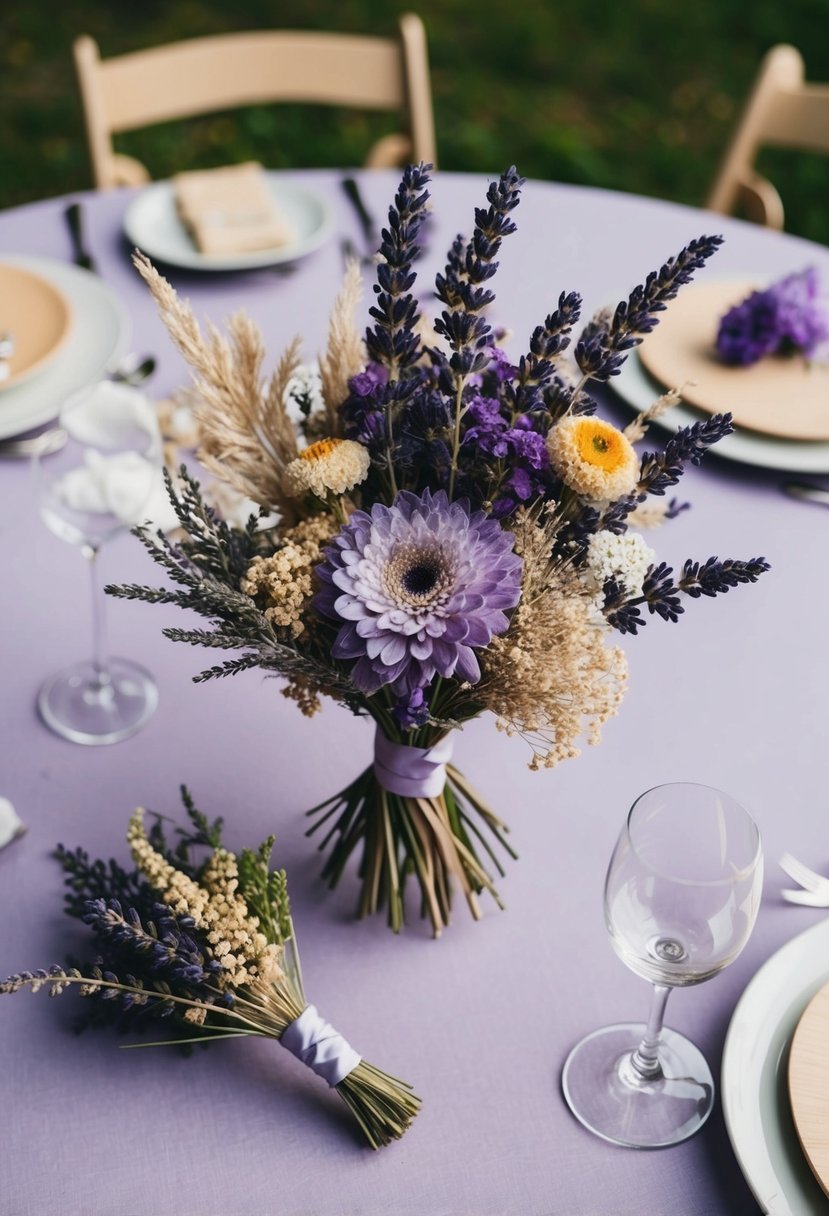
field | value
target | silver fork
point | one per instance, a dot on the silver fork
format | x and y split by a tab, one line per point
815	893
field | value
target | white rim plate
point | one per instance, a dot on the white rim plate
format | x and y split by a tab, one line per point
39	319
754	1082
100	335
638	390
151	223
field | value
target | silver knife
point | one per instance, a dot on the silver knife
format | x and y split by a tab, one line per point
806	492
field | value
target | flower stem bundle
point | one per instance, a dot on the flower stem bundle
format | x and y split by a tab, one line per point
207	948
436	839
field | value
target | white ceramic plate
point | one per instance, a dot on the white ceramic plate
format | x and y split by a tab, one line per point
637	389
100	335
754	1086
39	318
151	223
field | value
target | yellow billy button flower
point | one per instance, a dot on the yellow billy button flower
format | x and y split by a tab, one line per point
593	458
329	466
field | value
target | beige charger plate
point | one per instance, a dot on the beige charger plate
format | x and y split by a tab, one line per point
809	1084
37	315
781	396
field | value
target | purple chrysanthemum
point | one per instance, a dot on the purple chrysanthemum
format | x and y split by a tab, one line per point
417	586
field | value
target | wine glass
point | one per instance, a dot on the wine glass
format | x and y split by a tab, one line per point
101	483
681	897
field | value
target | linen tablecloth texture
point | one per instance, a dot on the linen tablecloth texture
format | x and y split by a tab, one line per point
481	1020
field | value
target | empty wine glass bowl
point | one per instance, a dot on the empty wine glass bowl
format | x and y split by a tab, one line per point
682	886
104	481
681	898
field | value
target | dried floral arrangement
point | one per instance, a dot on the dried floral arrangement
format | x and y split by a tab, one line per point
202	941
456	533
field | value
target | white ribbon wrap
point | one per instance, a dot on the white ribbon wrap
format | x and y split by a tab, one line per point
412	772
311	1039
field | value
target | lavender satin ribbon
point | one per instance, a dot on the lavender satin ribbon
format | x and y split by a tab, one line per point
311	1039
413	772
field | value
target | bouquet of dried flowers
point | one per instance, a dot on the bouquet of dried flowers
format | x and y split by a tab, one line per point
207	947
457	531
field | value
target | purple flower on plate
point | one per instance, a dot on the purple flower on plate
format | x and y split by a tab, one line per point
748	331
418	586
802	318
787	316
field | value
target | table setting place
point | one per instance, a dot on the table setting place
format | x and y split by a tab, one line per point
427	481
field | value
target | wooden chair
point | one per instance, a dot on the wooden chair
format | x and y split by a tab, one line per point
225	71
782	111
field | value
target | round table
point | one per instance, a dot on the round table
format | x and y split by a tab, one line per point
481	1020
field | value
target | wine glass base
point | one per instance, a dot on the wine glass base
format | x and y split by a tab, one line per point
608	1096
78	706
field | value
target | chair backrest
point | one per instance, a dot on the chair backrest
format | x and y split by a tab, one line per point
225	71
782	111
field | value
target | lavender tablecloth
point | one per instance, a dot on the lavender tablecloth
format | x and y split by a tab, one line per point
481	1020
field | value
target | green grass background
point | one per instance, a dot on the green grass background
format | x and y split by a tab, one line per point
637	96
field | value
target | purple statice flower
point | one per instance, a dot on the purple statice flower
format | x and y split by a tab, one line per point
417	587
500	366
489	436
364	418
370	382
412	710
785	317
486	428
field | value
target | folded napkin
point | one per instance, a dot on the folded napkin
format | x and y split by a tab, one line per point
121	472
230	210
11	825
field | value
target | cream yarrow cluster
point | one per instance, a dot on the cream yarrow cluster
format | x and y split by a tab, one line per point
215	906
593	458
551	678
282	584
329	466
625	558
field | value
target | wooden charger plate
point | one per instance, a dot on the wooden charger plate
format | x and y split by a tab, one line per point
38	317
809	1084
780	395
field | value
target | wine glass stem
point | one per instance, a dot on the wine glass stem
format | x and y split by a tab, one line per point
100	659
645	1059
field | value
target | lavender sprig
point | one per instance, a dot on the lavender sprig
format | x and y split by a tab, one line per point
461	290
164	944
661	592
537	369
605	341
690	443
393	342
470	265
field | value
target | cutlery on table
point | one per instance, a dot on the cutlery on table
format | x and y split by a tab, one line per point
80	254
43	444
807	492
815	887
352	193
